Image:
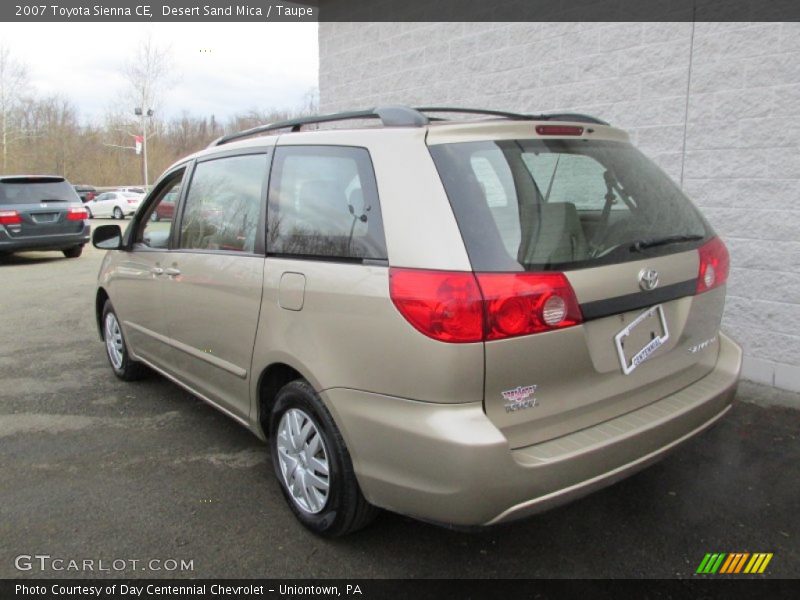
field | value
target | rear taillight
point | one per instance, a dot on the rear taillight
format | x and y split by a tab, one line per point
444	305
460	307
132	201
10	217
77	213
714	265
526	303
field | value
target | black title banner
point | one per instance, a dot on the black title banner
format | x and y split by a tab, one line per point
330	589
152	11
399	10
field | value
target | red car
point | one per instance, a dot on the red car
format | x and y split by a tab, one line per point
166	208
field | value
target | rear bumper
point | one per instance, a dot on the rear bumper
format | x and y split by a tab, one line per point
44	242
450	464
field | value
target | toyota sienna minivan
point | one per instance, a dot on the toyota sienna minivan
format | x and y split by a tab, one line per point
464	320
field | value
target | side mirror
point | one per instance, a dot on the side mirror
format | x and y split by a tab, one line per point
107	237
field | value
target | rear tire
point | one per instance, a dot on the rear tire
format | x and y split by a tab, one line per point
74	252
118	213
121	363
298	459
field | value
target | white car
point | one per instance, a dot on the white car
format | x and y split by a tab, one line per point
114	204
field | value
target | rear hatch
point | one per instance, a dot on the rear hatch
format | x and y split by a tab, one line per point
39	206
597	224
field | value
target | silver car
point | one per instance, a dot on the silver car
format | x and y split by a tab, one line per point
463	320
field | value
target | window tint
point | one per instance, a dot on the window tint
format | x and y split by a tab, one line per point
223	204
556	204
324	203
573	178
155	228
24	191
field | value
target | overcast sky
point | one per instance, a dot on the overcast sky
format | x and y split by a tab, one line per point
241	66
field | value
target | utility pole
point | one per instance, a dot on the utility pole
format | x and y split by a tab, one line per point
144	115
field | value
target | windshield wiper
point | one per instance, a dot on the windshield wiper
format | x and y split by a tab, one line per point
640	245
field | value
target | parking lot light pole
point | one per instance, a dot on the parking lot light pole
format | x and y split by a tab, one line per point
144	115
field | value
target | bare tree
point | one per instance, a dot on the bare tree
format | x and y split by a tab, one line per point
310	103
54	140
13	84
149	75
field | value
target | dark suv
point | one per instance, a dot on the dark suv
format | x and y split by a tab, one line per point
41	213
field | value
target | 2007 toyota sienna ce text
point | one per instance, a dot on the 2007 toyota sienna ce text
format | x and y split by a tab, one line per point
465	320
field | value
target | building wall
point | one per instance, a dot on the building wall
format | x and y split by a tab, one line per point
717	105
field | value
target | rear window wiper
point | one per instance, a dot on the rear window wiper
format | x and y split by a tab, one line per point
52	200
640	245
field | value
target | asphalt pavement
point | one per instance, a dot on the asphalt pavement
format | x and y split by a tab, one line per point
93	468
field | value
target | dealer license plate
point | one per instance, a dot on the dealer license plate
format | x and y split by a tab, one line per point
641	338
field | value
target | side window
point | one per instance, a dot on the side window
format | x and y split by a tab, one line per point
497	188
324	203
489	181
156	225
223	204
572	178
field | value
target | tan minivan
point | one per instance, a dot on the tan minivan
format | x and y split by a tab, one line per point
465	320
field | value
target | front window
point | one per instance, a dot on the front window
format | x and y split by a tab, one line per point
223	204
560	204
155	228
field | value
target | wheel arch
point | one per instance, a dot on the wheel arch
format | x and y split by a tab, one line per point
99	303
271	380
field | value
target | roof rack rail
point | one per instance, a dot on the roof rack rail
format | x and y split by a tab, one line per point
474	111
581	118
390	116
400	116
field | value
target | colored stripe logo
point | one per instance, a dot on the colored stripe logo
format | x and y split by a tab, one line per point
734	563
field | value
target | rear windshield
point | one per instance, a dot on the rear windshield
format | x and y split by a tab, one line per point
560	204
22	191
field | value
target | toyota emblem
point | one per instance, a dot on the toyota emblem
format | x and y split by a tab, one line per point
648	279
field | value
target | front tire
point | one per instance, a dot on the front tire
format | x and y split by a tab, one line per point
121	363
73	252
118	213
313	465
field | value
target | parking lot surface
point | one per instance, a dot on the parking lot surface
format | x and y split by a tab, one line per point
95	468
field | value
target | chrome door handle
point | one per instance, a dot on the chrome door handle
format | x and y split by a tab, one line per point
157	271
172	271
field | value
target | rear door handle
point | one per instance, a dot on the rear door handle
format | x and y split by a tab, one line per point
157	271
172	271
